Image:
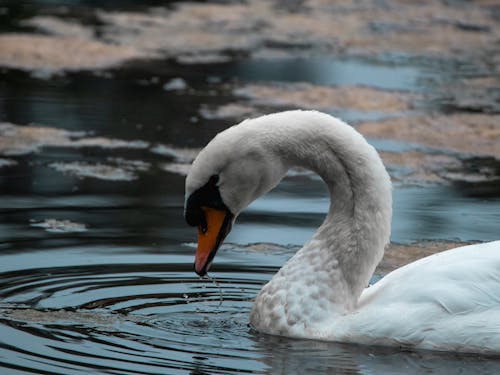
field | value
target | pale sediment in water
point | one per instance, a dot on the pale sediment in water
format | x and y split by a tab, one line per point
414	167
7	162
308	96
179	154
61	27
259	26
397	255
54	53
473	95
466	133
266	248
405	167
188	30
445	136
60	226
181	158
101	320
465	130
175	84
137	165
203	58
108	143
20	140
121	171
176	168
233	111
258	99
206	33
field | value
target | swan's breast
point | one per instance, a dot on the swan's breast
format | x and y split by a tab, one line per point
298	300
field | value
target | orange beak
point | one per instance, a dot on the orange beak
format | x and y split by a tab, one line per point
210	237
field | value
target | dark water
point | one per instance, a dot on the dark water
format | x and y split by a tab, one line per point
120	297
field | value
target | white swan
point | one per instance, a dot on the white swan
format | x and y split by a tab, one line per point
449	301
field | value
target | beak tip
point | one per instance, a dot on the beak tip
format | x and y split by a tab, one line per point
209	240
200	271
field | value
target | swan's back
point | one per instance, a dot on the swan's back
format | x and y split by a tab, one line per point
448	301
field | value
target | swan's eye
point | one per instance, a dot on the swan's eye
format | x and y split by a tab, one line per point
203	223
206	196
194	216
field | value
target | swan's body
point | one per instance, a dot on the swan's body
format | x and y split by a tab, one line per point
448	301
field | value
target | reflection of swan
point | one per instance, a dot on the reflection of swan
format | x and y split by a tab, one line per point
448	301
298	357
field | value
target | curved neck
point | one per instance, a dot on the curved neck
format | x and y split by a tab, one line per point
357	227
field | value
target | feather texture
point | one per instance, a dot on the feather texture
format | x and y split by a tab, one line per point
448	301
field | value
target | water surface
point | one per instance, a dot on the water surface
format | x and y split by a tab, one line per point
120	297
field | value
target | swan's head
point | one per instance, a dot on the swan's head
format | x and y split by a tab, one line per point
234	169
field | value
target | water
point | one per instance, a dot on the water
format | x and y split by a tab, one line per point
120	296
326	72
123	310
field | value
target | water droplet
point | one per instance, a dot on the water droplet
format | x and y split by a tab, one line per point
218	286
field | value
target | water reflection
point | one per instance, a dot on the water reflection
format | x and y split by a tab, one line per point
308	357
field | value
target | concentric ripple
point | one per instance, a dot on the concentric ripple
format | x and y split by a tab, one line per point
125	318
148	317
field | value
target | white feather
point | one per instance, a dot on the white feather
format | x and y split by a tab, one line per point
449	301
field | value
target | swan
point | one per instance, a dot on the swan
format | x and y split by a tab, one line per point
448	301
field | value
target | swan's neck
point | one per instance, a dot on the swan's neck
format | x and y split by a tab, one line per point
329	273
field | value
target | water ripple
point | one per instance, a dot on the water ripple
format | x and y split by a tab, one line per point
156	318
125	318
